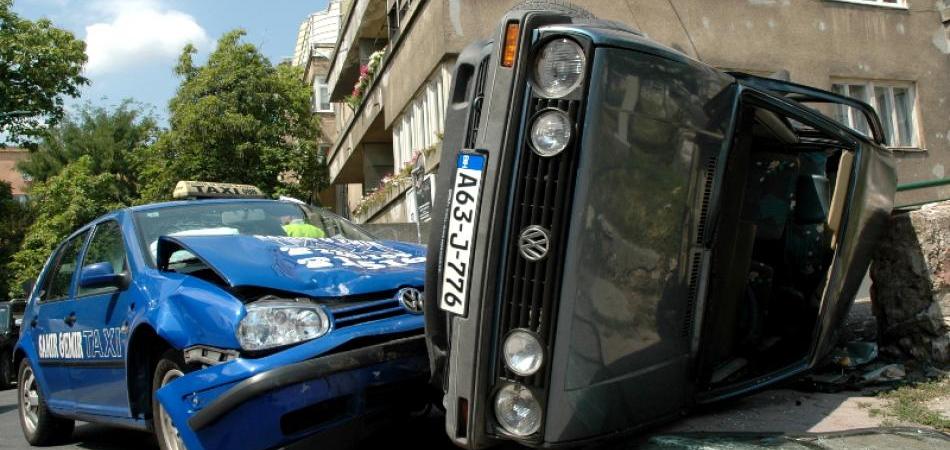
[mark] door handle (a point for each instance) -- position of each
(70, 319)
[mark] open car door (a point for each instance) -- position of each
(806, 94)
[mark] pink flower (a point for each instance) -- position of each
(364, 70)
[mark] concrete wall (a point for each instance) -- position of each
(815, 40)
(405, 232)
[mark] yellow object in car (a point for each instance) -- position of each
(299, 228)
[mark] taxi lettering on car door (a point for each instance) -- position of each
(87, 344)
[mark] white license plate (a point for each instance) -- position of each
(460, 236)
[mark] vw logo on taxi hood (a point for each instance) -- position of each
(411, 299)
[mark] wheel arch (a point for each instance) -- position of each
(145, 348)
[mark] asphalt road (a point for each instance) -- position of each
(87, 435)
(428, 432)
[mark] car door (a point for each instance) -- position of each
(102, 316)
(57, 343)
(863, 209)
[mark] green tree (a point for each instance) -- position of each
(63, 203)
(113, 138)
(15, 217)
(40, 65)
(236, 119)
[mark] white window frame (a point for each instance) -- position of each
(321, 89)
(422, 120)
(900, 4)
(870, 86)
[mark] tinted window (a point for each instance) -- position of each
(106, 246)
(62, 275)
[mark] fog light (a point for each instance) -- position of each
(523, 353)
(559, 67)
(516, 409)
(550, 133)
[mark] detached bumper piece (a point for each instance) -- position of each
(336, 398)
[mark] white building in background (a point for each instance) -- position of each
(316, 39)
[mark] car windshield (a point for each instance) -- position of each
(261, 218)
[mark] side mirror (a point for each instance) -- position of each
(100, 275)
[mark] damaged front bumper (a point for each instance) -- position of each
(301, 393)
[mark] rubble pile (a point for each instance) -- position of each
(911, 285)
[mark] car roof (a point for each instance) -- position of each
(171, 204)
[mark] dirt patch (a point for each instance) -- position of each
(925, 403)
(788, 411)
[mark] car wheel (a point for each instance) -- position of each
(168, 369)
(39, 425)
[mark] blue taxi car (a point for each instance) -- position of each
(222, 323)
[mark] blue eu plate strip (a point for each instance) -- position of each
(469, 161)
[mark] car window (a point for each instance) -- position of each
(5, 321)
(106, 246)
(62, 275)
(267, 218)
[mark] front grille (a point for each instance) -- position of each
(478, 98)
(709, 174)
(542, 194)
(349, 314)
(695, 266)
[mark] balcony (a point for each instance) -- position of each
(364, 30)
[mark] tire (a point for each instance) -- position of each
(40, 427)
(169, 367)
(572, 10)
(560, 6)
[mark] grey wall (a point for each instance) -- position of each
(815, 40)
(397, 231)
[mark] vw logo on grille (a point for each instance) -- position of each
(411, 299)
(534, 243)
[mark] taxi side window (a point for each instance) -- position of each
(106, 246)
(61, 276)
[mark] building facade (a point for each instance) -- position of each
(19, 185)
(893, 54)
(316, 39)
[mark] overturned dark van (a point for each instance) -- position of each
(629, 232)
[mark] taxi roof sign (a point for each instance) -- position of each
(206, 189)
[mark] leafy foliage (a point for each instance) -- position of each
(15, 217)
(39, 66)
(236, 119)
(112, 138)
(62, 203)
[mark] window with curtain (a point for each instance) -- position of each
(894, 103)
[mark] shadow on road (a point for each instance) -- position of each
(101, 437)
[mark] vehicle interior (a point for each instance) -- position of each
(782, 198)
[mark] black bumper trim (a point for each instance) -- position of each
(319, 367)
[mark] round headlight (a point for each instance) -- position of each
(550, 133)
(517, 410)
(559, 67)
(523, 353)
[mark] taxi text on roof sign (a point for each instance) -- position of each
(204, 189)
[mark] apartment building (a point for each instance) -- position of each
(316, 39)
(390, 71)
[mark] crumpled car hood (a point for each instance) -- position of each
(325, 267)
